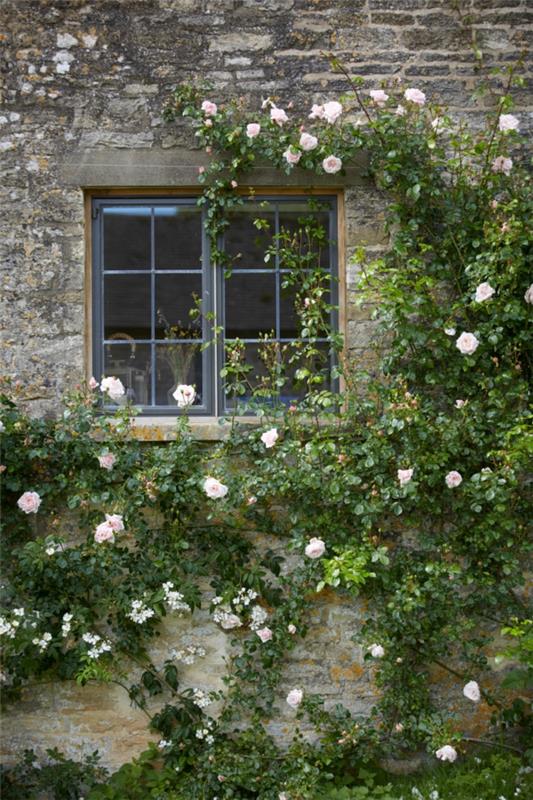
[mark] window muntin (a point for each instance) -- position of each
(150, 266)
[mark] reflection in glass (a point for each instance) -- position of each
(247, 243)
(250, 305)
(130, 363)
(289, 320)
(174, 299)
(175, 364)
(127, 306)
(127, 237)
(178, 237)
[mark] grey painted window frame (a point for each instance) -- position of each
(214, 398)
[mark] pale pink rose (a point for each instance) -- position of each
(508, 122)
(528, 297)
(104, 533)
(398, 727)
(308, 142)
(307, 302)
(472, 692)
(113, 387)
(208, 123)
(295, 697)
(332, 111)
(379, 97)
(447, 753)
(201, 170)
(376, 650)
(230, 621)
(184, 395)
(292, 629)
(269, 438)
(332, 164)
(209, 108)
(400, 111)
(449, 331)
(221, 778)
(278, 116)
(292, 156)
(415, 96)
(315, 549)
(484, 292)
(253, 130)
(29, 502)
(234, 184)
(460, 403)
(467, 343)
(317, 112)
(107, 460)
(251, 501)
(214, 489)
(501, 164)
(93, 383)
(265, 634)
(115, 521)
(404, 476)
(453, 479)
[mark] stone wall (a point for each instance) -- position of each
(84, 86)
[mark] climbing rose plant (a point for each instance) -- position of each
(405, 489)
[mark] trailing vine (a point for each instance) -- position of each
(405, 489)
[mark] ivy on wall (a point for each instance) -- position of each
(407, 489)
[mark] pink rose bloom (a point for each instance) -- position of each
(467, 343)
(446, 753)
(376, 650)
(398, 727)
(115, 521)
(29, 502)
(508, 122)
(484, 292)
(184, 395)
(415, 96)
(104, 533)
(528, 297)
(502, 164)
(209, 108)
(317, 112)
(460, 403)
(113, 387)
(404, 476)
(253, 130)
(230, 621)
(93, 383)
(400, 111)
(201, 170)
(332, 111)
(332, 164)
(214, 489)
(295, 697)
(251, 501)
(265, 634)
(269, 438)
(278, 116)
(379, 97)
(472, 692)
(107, 460)
(292, 156)
(453, 479)
(315, 548)
(292, 629)
(308, 142)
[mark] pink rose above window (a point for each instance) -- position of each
(29, 502)
(453, 479)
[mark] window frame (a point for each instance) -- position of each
(214, 405)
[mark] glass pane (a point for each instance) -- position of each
(127, 237)
(289, 320)
(178, 237)
(127, 307)
(250, 305)
(253, 378)
(313, 238)
(246, 243)
(174, 299)
(130, 363)
(175, 364)
(318, 363)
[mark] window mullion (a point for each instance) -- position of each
(152, 307)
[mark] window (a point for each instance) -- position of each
(156, 295)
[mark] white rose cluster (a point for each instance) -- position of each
(174, 599)
(98, 646)
(140, 612)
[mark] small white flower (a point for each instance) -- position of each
(447, 753)
(449, 331)
(376, 650)
(184, 395)
(484, 292)
(404, 476)
(472, 692)
(113, 387)
(528, 297)
(315, 549)
(467, 343)
(270, 437)
(295, 697)
(215, 489)
(508, 122)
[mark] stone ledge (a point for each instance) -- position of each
(205, 429)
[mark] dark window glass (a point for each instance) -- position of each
(178, 237)
(127, 237)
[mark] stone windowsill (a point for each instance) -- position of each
(208, 429)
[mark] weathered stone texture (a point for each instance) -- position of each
(84, 84)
